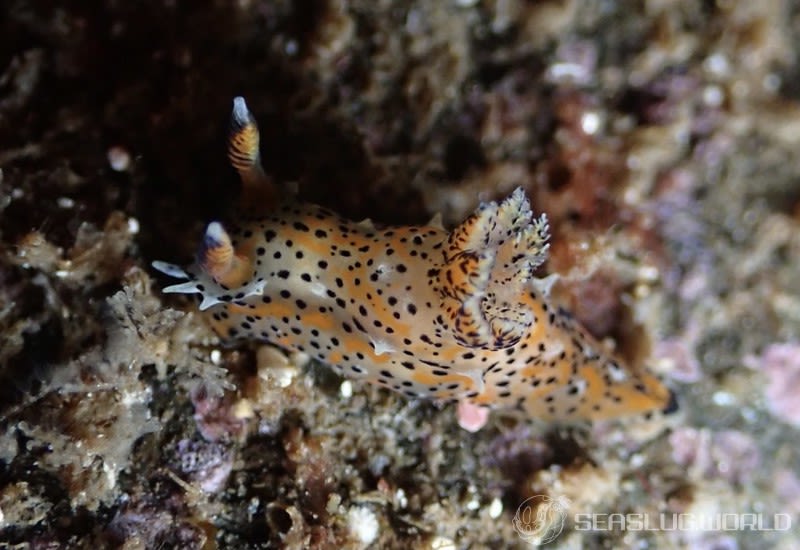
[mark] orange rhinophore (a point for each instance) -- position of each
(453, 315)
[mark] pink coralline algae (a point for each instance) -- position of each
(781, 365)
(729, 454)
(684, 366)
(471, 417)
(214, 417)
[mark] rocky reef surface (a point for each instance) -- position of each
(660, 138)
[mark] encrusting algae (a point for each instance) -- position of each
(450, 316)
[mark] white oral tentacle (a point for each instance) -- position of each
(170, 269)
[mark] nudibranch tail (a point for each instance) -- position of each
(570, 375)
(259, 193)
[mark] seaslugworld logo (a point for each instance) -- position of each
(666, 521)
(541, 518)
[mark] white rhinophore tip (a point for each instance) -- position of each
(216, 233)
(241, 113)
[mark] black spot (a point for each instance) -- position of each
(285, 294)
(261, 250)
(269, 235)
(322, 264)
(300, 226)
(300, 304)
(283, 274)
(306, 277)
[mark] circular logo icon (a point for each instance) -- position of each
(540, 518)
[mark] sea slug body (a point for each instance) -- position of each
(454, 316)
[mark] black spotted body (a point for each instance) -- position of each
(453, 315)
(349, 295)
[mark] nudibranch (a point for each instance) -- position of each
(450, 316)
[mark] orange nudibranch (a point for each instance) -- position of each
(455, 315)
